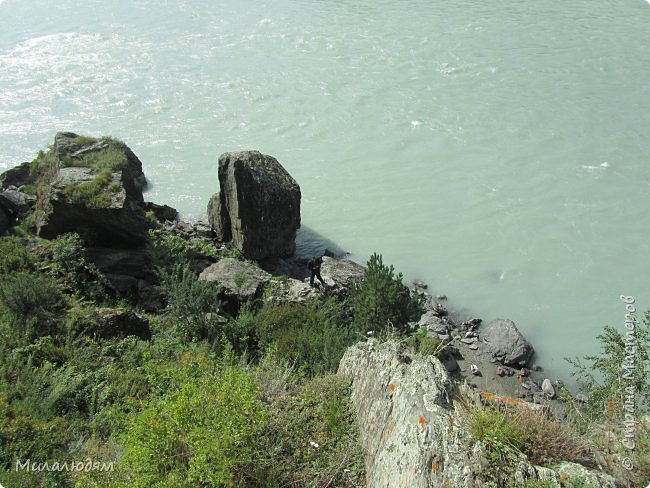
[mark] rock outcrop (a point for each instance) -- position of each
(404, 412)
(412, 419)
(95, 189)
(258, 207)
(503, 342)
(240, 281)
(14, 203)
(17, 176)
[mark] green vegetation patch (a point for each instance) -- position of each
(91, 193)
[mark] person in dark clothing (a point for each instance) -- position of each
(314, 267)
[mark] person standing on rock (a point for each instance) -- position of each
(314, 267)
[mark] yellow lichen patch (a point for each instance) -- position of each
(391, 387)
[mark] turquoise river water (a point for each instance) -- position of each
(498, 150)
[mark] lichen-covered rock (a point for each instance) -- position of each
(289, 291)
(503, 342)
(241, 281)
(413, 425)
(258, 207)
(95, 189)
(341, 272)
(407, 427)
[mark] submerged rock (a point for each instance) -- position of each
(504, 343)
(95, 189)
(258, 207)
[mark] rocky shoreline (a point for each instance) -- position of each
(93, 186)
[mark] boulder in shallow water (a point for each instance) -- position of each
(258, 207)
(504, 343)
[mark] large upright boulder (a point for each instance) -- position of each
(94, 188)
(258, 207)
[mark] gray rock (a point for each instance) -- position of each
(161, 212)
(258, 207)
(17, 176)
(112, 215)
(122, 323)
(17, 202)
(434, 323)
(241, 281)
(130, 262)
(572, 472)
(547, 388)
(341, 272)
(505, 344)
(290, 291)
(403, 411)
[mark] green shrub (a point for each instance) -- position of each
(381, 300)
(423, 345)
(169, 249)
(192, 305)
(602, 378)
(28, 298)
(15, 255)
(313, 335)
(70, 264)
(311, 439)
(201, 434)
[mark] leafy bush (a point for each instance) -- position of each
(28, 298)
(169, 249)
(200, 434)
(603, 378)
(192, 305)
(15, 256)
(381, 300)
(69, 263)
(614, 385)
(311, 439)
(313, 335)
(507, 433)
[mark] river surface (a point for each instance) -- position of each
(497, 150)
